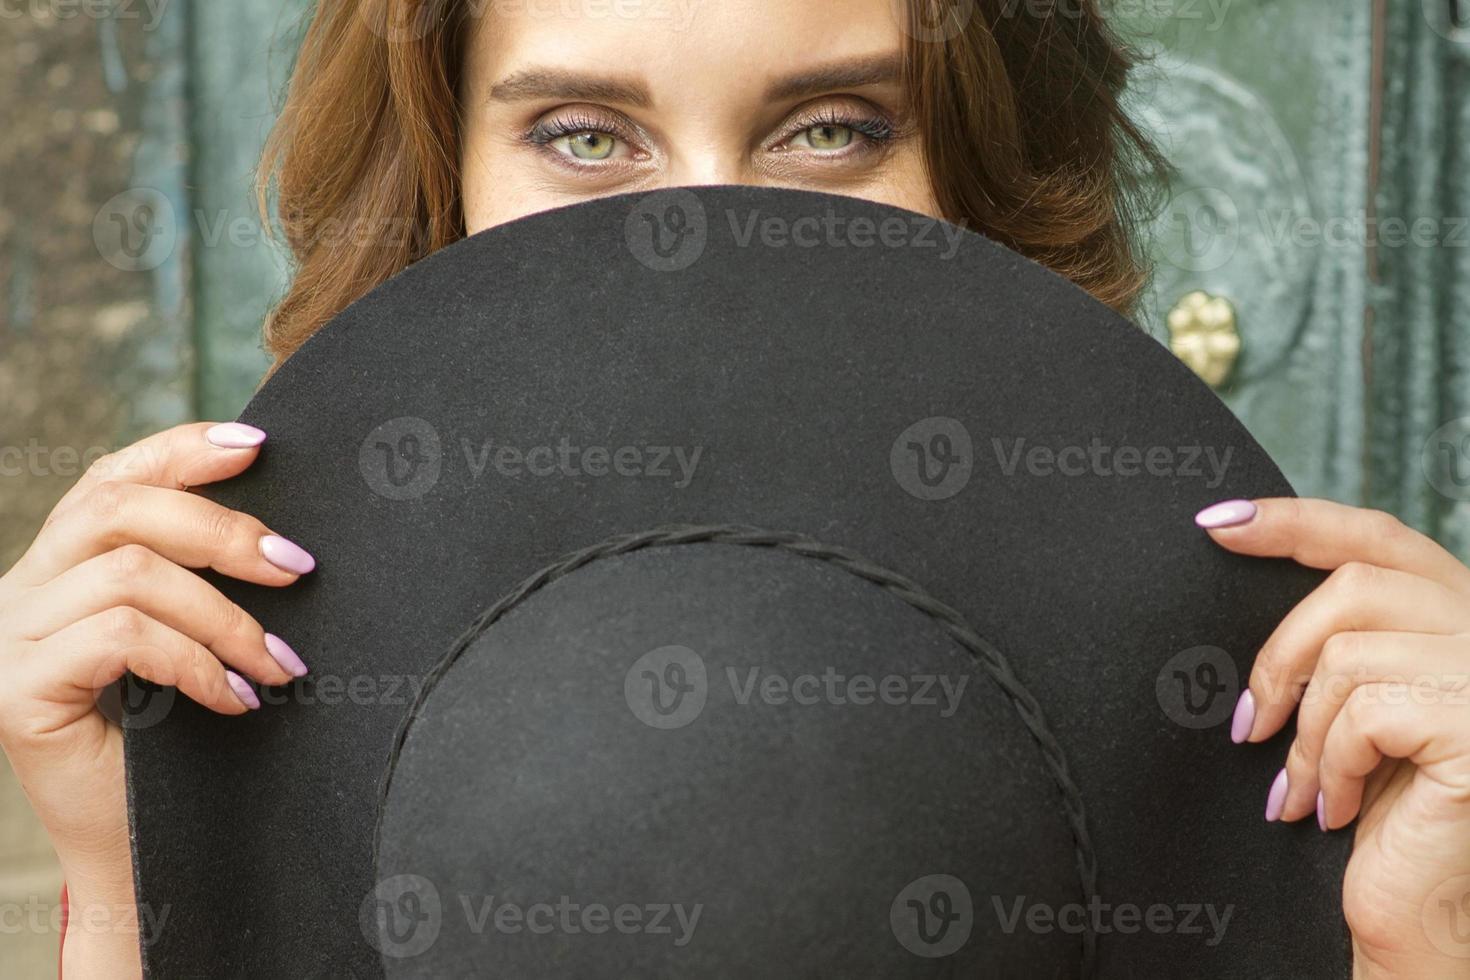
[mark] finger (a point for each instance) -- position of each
(134, 576)
(182, 527)
(87, 656)
(1327, 535)
(1433, 665)
(1429, 727)
(1356, 597)
(185, 456)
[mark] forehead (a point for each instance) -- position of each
(736, 39)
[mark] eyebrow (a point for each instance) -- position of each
(872, 70)
(557, 83)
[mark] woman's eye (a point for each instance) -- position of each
(826, 137)
(587, 146)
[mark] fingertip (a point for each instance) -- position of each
(1244, 719)
(234, 435)
(242, 689)
(1226, 515)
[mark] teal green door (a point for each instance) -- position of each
(1319, 205)
(1309, 256)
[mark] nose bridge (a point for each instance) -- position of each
(707, 164)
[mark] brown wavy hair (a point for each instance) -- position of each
(1019, 112)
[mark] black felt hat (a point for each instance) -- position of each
(731, 583)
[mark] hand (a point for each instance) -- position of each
(106, 589)
(1378, 658)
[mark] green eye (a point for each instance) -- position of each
(828, 137)
(591, 146)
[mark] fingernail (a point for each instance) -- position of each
(1276, 799)
(1228, 514)
(282, 653)
(235, 435)
(1321, 812)
(1245, 718)
(242, 690)
(285, 555)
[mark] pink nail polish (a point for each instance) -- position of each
(1245, 718)
(285, 555)
(1231, 513)
(282, 653)
(1321, 812)
(242, 690)
(1276, 799)
(234, 435)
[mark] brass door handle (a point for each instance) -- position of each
(1203, 334)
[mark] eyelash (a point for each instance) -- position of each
(876, 130)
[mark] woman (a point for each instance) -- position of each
(410, 124)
